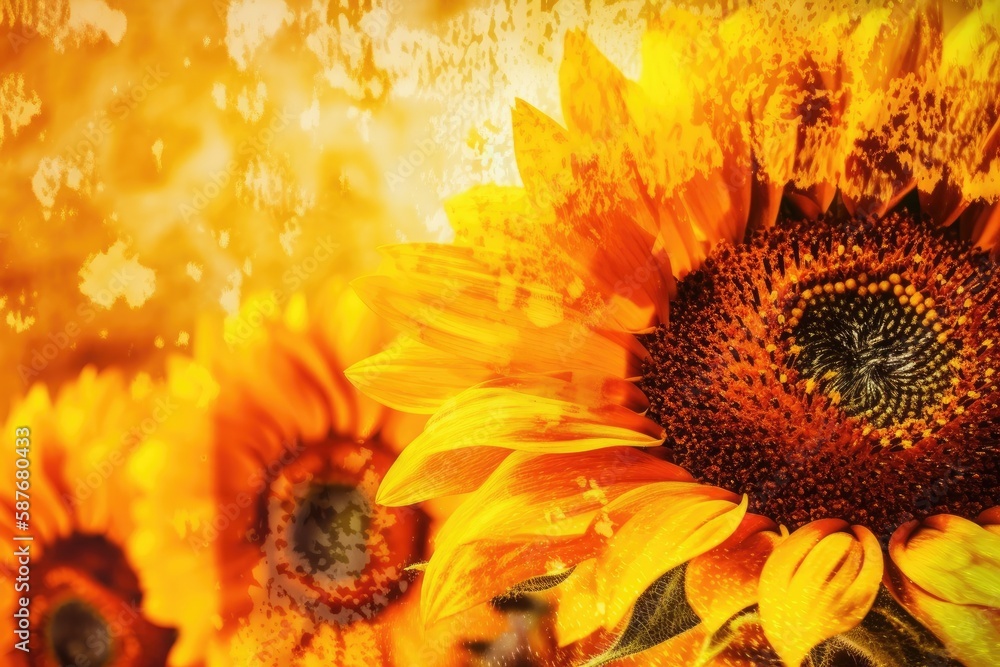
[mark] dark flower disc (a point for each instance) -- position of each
(836, 368)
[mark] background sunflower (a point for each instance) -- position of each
(86, 587)
(264, 500)
(161, 164)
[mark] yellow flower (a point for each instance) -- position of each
(264, 497)
(85, 585)
(761, 263)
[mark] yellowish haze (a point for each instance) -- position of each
(164, 162)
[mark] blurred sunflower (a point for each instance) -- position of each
(767, 255)
(85, 587)
(265, 500)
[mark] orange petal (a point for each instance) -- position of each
(819, 582)
(653, 529)
(724, 581)
(950, 557)
(961, 155)
(592, 89)
(889, 78)
(465, 301)
(542, 150)
(990, 520)
(530, 518)
(695, 167)
(598, 253)
(538, 413)
(981, 223)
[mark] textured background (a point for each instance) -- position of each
(163, 163)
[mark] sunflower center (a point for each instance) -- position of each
(330, 530)
(873, 355)
(329, 551)
(89, 607)
(836, 368)
(80, 635)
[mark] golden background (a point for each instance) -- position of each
(163, 162)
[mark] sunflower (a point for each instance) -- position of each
(265, 499)
(721, 373)
(71, 561)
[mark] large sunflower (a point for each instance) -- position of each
(763, 262)
(265, 497)
(71, 557)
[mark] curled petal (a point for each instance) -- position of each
(990, 520)
(724, 580)
(951, 558)
(819, 582)
(971, 633)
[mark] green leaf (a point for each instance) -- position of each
(887, 637)
(660, 613)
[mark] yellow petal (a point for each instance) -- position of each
(950, 557)
(535, 413)
(819, 582)
(971, 633)
(654, 529)
(412, 377)
(530, 518)
(581, 609)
